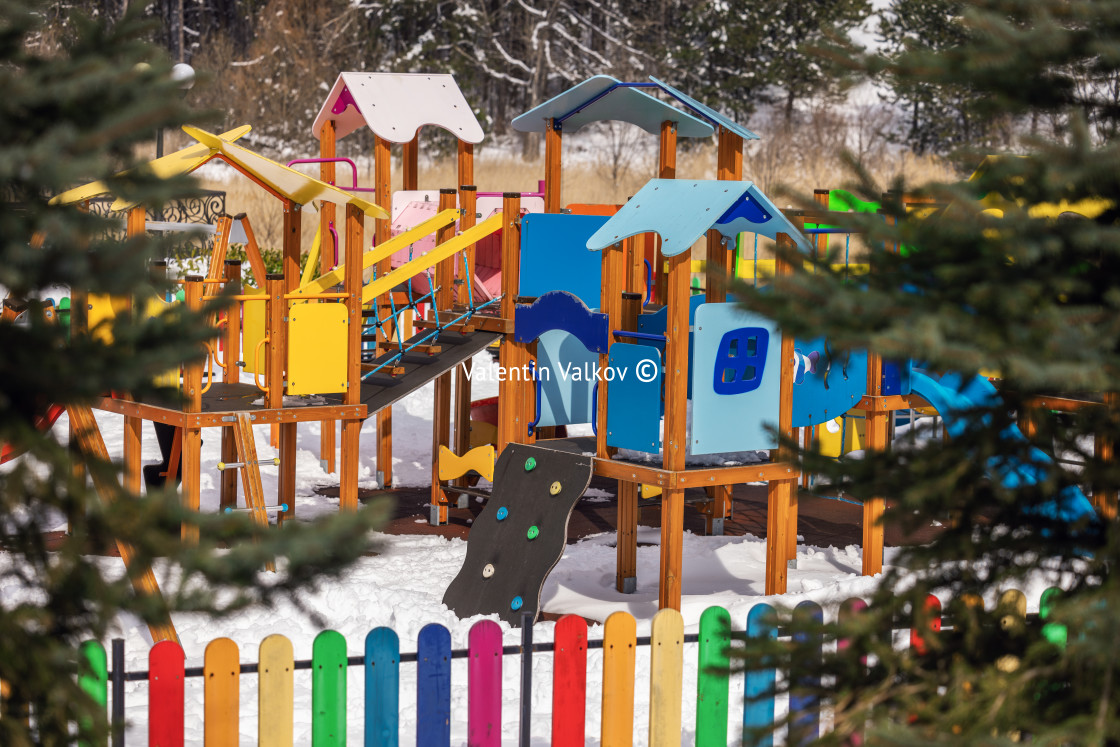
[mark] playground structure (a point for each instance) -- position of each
(605, 286)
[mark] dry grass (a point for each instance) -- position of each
(619, 166)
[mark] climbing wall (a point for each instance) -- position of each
(520, 534)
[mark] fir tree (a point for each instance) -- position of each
(70, 115)
(1030, 293)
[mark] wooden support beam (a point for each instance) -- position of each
(553, 141)
(512, 394)
(227, 491)
(466, 163)
(610, 303)
(352, 427)
(327, 256)
(1105, 449)
(410, 165)
(382, 182)
(666, 169)
(781, 540)
(441, 415)
(676, 407)
(626, 570)
(192, 437)
(89, 440)
(469, 207)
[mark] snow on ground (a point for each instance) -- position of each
(402, 588)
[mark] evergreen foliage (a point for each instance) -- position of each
(68, 117)
(1031, 296)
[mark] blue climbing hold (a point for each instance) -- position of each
(516, 603)
(503, 512)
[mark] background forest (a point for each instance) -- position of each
(270, 62)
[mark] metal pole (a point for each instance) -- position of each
(526, 677)
(116, 722)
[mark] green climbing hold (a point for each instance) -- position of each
(533, 532)
(530, 464)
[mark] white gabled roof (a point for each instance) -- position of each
(396, 105)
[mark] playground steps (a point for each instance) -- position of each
(380, 390)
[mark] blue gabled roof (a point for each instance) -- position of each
(602, 98)
(682, 211)
(706, 112)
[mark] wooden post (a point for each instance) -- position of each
(227, 494)
(553, 140)
(192, 436)
(466, 163)
(468, 207)
(666, 169)
(626, 544)
(410, 165)
(382, 176)
(327, 215)
(781, 518)
(610, 302)
(676, 408)
(135, 225)
(511, 423)
(351, 426)
(441, 415)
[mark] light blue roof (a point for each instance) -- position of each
(682, 211)
(621, 104)
(706, 112)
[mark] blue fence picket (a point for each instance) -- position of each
(805, 673)
(758, 688)
(383, 676)
(433, 687)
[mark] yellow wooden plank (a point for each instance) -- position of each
(619, 646)
(479, 459)
(252, 331)
(317, 348)
(665, 673)
(276, 692)
(382, 251)
(173, 164)
(407, 271)
(221, 693)
(294, 185)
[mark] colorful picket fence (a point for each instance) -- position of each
(383, 705)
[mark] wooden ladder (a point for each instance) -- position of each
(246, 450)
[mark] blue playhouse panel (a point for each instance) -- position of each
(634, 404)
(655, 324)
(896, 377)
(561, 310)
(732, 346)
(839, 383)
(567, 392)
(554, 256)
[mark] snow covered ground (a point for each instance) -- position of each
(403, 586)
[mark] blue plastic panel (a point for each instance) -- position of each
(655, 323)
(733, 422)
(634, 401)
(621, 104)
(561, 310)
(833, 383)
(682, 211)
(567, 379)
(896, 377)
(554, 256)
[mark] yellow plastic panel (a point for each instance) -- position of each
(153, 307)
(829, 434)
(104, 309)
(252, 331)
(317, 348)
